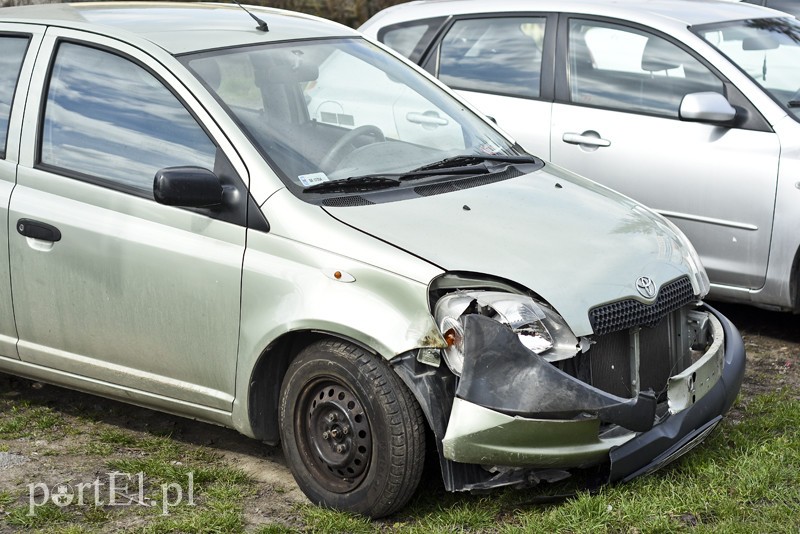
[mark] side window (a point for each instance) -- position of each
(110, 119)
(10, 63)
(411, 39)
(622, 68)
(404, 39)
(494, 55)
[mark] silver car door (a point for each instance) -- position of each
(621, 128)
(139, 299)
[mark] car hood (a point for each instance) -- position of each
(571, 241)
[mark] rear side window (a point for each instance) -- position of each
(111, 120)
(411, 39)
(494, 55)
(13, 52)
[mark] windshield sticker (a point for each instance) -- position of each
(312, 179)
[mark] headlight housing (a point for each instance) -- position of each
(540, 329)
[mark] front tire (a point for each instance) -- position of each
(351, 431)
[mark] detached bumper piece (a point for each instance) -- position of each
(515, 410)
(503, 375)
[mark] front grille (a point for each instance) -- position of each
(628, 313)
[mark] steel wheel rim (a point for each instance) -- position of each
(334, 435)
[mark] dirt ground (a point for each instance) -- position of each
(772, 341)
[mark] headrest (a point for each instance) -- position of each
(660, 55)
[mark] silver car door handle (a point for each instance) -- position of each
(583, 139)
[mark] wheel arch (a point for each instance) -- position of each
(263, 389)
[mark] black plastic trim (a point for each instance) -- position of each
(501, 374)
(38, 230)
(434, 389)
(23, 35)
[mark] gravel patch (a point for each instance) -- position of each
(8, 459)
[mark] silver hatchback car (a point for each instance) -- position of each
(200, 223)
(691, 107)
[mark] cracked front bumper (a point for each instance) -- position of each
(477, 434)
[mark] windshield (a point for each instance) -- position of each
(327, 110)
(767, 50)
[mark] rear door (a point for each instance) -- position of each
(503, 65)
(616, 121)
(138, 299)
(19, 44)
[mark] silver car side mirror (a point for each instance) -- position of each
(706, 107)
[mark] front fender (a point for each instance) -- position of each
(290, 288)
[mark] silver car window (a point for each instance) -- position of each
(109, 119)
(767, 50)
(494, 55)
(405, 39)
(618, 67)
(10, 62)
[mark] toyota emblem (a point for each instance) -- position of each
(646, 287)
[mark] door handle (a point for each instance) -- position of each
(588, 138)
(428, 118)
(38, 230)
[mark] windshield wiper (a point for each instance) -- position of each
(472, 159)
(793, 103)
(353, 184)
(472, 164)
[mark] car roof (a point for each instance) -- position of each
(178, 27)
(663, 14)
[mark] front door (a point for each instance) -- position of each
(113, 287)
(621, 128)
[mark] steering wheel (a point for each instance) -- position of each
(347, 144)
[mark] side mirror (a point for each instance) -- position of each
(187, 187)
(706, 107)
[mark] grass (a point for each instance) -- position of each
(23, 420)
(167, 466)
(743, 479)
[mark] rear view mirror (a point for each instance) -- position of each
(188, 187)
(706, 107)
(761, 42)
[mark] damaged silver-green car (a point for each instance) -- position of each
(266, 221)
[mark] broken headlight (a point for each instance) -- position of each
(540, 329)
